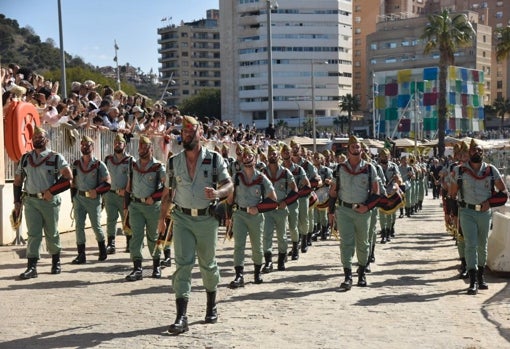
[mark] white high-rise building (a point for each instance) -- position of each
(306, 36)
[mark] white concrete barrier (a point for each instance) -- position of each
(498, 258)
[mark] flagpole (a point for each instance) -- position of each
(117, 62)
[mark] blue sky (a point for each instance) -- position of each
(90, 27)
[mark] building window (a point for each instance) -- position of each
(499, 14)
(357, 31)
(499, 84)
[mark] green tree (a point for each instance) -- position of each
(281, 125)
(206, 103)
(501, 107)
(502, 36)
(446, 33)
(349, 104)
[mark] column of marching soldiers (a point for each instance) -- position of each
(289, 193)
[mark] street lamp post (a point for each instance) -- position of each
(63, 82)
(270, 5)
(314, 126)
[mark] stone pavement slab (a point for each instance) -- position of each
(413, 300)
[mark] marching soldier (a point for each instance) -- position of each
(293, 217)
(321, 215)
(284, 183)
(392, 181)
(197, 177)
(476, 181)
(42, 174)
(352, 194)
(145, 188)
(408, 175)
(118, 165)
(90, 180)
(250, 188)
(306, 223)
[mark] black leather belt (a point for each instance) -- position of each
(237, 207)
(84, 193)
(348, 205)
(36, 195)
(142, 201)
(194, 212)
(471, 207)
(116, 191)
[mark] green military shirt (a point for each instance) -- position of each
(42, 170)
(119, 170)
(145, 181)
(89, 178)
(189, 192)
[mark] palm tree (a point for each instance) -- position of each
(502, 36)
(501, 106)
(281, 125)
(446, 33)
(349, 104)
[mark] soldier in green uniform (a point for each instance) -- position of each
(250, 188)
(145, 188)
(351, 191)
(42, 174)
(408, 175)
(197, 178)
(118, 165)
(392, 182)
(90, 180)
(306, 222)
(283, 183)
(320, 214)
(293, 217)
(476, 180)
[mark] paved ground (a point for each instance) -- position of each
(414, 300)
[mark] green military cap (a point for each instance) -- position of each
(119, 137)
(473, 144)
(39, 130)
(353, 140)
(272, 148)
(239, 148)
(464, 147)
(224, 147)
(284, 148)
(248, 151)
(145, 140)
(325, 152)
(293, 144)
(456, 148)
(189, 122)
(384, 151)
(87, 139)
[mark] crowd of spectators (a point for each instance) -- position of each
(90, 105)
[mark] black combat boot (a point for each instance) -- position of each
(256, 274)
(81, 258)
(295, 251)
(309, 239)
(388, 235)
(383, 235)
(304, 244)
(268, 265)
(282, 258)
(463, 271)
(128, 239)
(362, 282)
(401, 213)
(408, 212)
(347, 284)
(55, 263)
(102, 251)
(482, 285)
(239, 279)
(137, 273)
(211, 312)
(473, 284)
(167, 261)
(324, 232)
(181, 321)
(156, 269)
(31, 271)
(315, 233)
(392, 230)
(110, 248)
(371, 258)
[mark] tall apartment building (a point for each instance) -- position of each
(305, 35)
(367, 13)
(190, 55)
